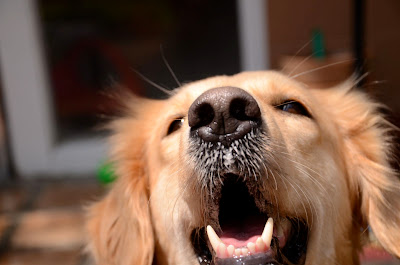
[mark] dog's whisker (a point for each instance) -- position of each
(309, 201)
(285, 148)
(297, 53)
(159, 87)
(301, 166)
(169, 67)
(302, 62)
(274, 193)
(324, 191)
(300, 199)
(271, 158)
(275, 182)
(320, 68)
(307, 174)
(285, 180)
(307, 197)
(374, 83)
(361, 78)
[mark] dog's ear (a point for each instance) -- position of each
(368, 153)
(119, 226)
(379, 186)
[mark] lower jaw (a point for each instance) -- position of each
(293, 253)
(271, 257)
(255, 259)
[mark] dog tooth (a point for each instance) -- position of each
(245, 252)
(213, 237)
(238, 252)
(260, 245)
(231, 250)
(267, 233)
(251, 247)
(222, 252)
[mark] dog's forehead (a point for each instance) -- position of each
(263, 85)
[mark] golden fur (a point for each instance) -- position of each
(333, 170)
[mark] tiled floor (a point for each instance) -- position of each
(41, 222)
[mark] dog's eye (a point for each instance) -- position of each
(294, 107)
(175, 125)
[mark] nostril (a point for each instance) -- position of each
(244, 109)
(237, 109)
(203, 115)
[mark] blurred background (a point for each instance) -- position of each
(59, 59)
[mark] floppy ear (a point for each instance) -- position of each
(368, 154)
(380, 191)
(119, 226)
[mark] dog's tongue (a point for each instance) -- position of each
(237, 241)
(240, 234)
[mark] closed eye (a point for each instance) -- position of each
(293, 107)
(175, 125)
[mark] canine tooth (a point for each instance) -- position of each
(231, 250)
(238, 252)
(213, 237)
(251, 247)
(260, 245)
(267, 233)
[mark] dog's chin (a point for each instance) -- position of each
(242, 220)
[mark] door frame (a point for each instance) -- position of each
(35, 149)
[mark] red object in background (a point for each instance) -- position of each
(376, 254)
(81, 77)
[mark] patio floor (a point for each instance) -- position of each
(41, 222)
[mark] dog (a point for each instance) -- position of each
(253, 168)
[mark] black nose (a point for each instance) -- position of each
(223, 115)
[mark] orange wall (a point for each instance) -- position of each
(291, 23)
(383, 38)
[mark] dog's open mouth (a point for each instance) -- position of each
(246, 234)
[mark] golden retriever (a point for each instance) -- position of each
(253, 168)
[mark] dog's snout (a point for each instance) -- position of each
(223, 115)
